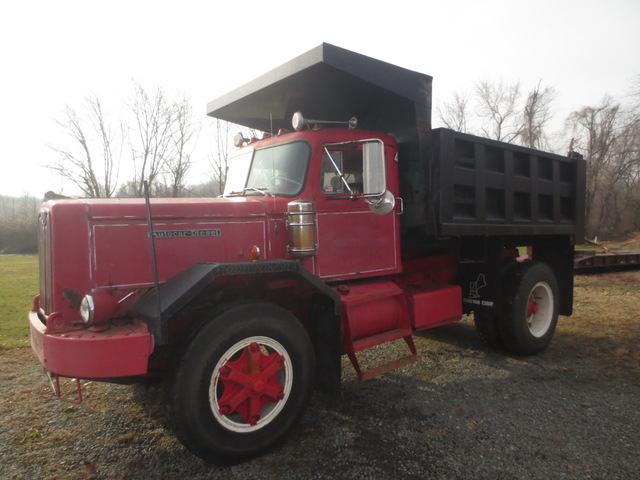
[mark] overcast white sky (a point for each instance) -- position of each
(55, 53)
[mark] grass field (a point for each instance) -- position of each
(18, 286)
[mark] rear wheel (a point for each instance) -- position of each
(242, 383)
(531, 309)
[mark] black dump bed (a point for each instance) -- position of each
(450, 183)
(485, 187)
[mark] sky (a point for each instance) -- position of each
(54, 54)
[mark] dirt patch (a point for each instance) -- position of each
(605, 323)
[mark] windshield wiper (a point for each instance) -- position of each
(262, 190)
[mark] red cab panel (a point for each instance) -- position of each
(432, 305)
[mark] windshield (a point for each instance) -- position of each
(237, 172)
(277, 170)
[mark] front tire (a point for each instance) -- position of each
(531, 309)
(242, 383)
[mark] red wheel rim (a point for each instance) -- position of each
(250, 384)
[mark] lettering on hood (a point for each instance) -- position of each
(214, 232)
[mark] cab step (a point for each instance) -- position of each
(387, 367)
(374, 313)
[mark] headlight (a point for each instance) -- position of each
(87, 309)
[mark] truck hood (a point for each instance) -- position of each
(109, 238)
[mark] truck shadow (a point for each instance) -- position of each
(460, 334)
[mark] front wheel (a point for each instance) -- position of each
(531, 309)
(242, 383)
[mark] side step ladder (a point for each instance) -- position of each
(387, 367)
(373, 314)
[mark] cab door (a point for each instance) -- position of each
(354, 239)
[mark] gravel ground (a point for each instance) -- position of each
(460, 412)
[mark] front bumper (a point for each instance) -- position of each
(120, 351)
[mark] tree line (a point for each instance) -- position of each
(606, 134)
(18, 226)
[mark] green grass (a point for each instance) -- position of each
(18, 286)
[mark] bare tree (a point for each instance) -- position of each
(535, 116)
(609, 136)
(223, 133)
(497, 110)
(592, 132)
(149, 136)
(160, 132)
(634, 94)
(627, 171)
(633, 181)
(183, 138)
(161, 135)
(91, 160)
(219, 158)
(454, 114)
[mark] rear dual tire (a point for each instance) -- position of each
(530, 311)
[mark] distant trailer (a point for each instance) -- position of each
(607, 259)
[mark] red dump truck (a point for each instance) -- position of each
(351, 223)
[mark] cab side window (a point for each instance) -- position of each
(342, 172)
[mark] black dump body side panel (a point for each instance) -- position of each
(485, 187)
(331, 83)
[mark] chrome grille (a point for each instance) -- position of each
(44, 259)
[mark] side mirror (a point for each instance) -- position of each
(382, 204)
(374, 171)
(380, 200)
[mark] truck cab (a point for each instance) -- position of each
(346, 179)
